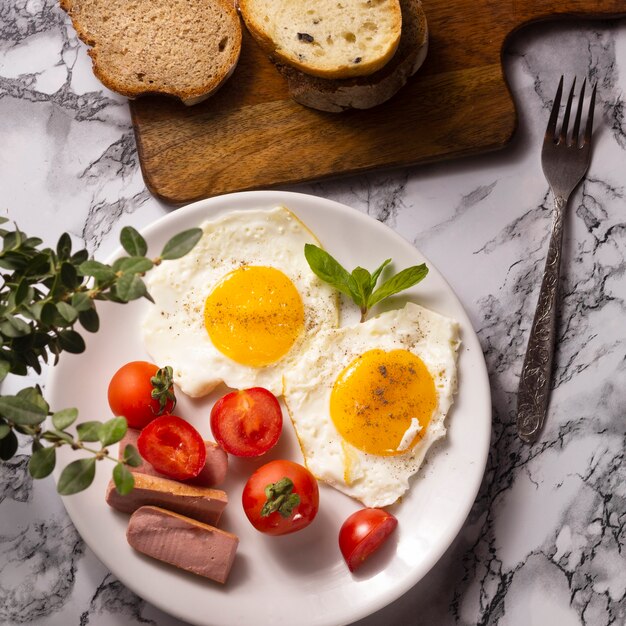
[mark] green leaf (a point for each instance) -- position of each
(42, 462)
(362, 286)
(5, 429)
(53, 435)
(131, 456)
(133, 265)
(67, 312)
(98, 270)
(71, 341)
(5, 368)
(21, 411)
(378, 272)
(401, 281)
(89, 320)
(89, 431)
(130, 287)
(48, 314)
(22, 293)
(123, 479)
(8, 446)
(77, 476)
(14, 327)
(328, 269)
(65, 418)
(69, 276)
(33, 395)
(81, 301)
(133, 242)
(182, 243)
(112, 431)
(64, 247)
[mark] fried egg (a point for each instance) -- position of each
(368, 400)
(241, 306)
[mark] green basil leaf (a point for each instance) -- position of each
(401, 281)
(133, 242)
(42, 462)
(8, 446)
(112, 431)
(378, 271)
(133, 265)
(77, 476)
(89, 431)
(21, 411)
(328, 269)
(123, 479)
(179, 245)
(131, 456)
(64, 418)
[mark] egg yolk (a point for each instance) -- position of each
(254, 315)
(377, 398)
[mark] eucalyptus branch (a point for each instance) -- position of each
(44, 295)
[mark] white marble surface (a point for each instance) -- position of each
(545, 542)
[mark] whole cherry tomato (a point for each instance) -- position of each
(140, 391)
(173, 447)
(247, 422)
(363, 533)
(281, 497)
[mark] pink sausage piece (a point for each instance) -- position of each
(212, 474)
(201, 503)
(182, 542)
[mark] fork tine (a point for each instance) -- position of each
(589, 128)
(554, 114)
(579, 113)
(568, 108)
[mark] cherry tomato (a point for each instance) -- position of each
(131, 392)
(363, 533)
(293, 498)
(173, 447)
(247, 422)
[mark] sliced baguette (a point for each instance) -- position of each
(181, 48)
(367, 91)
(326, 38)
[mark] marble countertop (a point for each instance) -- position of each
(545, 540)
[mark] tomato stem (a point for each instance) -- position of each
(280, 498)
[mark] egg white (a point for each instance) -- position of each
(374, 480)
(173, 330)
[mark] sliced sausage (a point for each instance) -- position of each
(200, 503)
(182, 542)
(212, 474)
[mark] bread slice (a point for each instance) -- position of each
(326, 38)
(182, 48)
(366, 91)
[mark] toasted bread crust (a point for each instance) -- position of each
(169, 47)
(366, 91)
(304, 35)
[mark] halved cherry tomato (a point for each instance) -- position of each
(247, 422)
(173, 446)
(363, 533)
(281, 497)
(140, 392)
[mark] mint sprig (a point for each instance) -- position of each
(360, 284)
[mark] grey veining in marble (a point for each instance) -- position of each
(545, 542)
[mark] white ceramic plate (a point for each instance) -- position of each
(299, 578)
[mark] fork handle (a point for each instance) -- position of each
(534, 386)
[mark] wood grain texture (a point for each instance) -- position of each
(251, 135)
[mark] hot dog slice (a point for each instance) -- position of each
(212, 474)
(182, 542)
(200, 503)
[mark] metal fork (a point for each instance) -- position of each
(565, 161)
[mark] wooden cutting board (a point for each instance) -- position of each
(251, 135)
